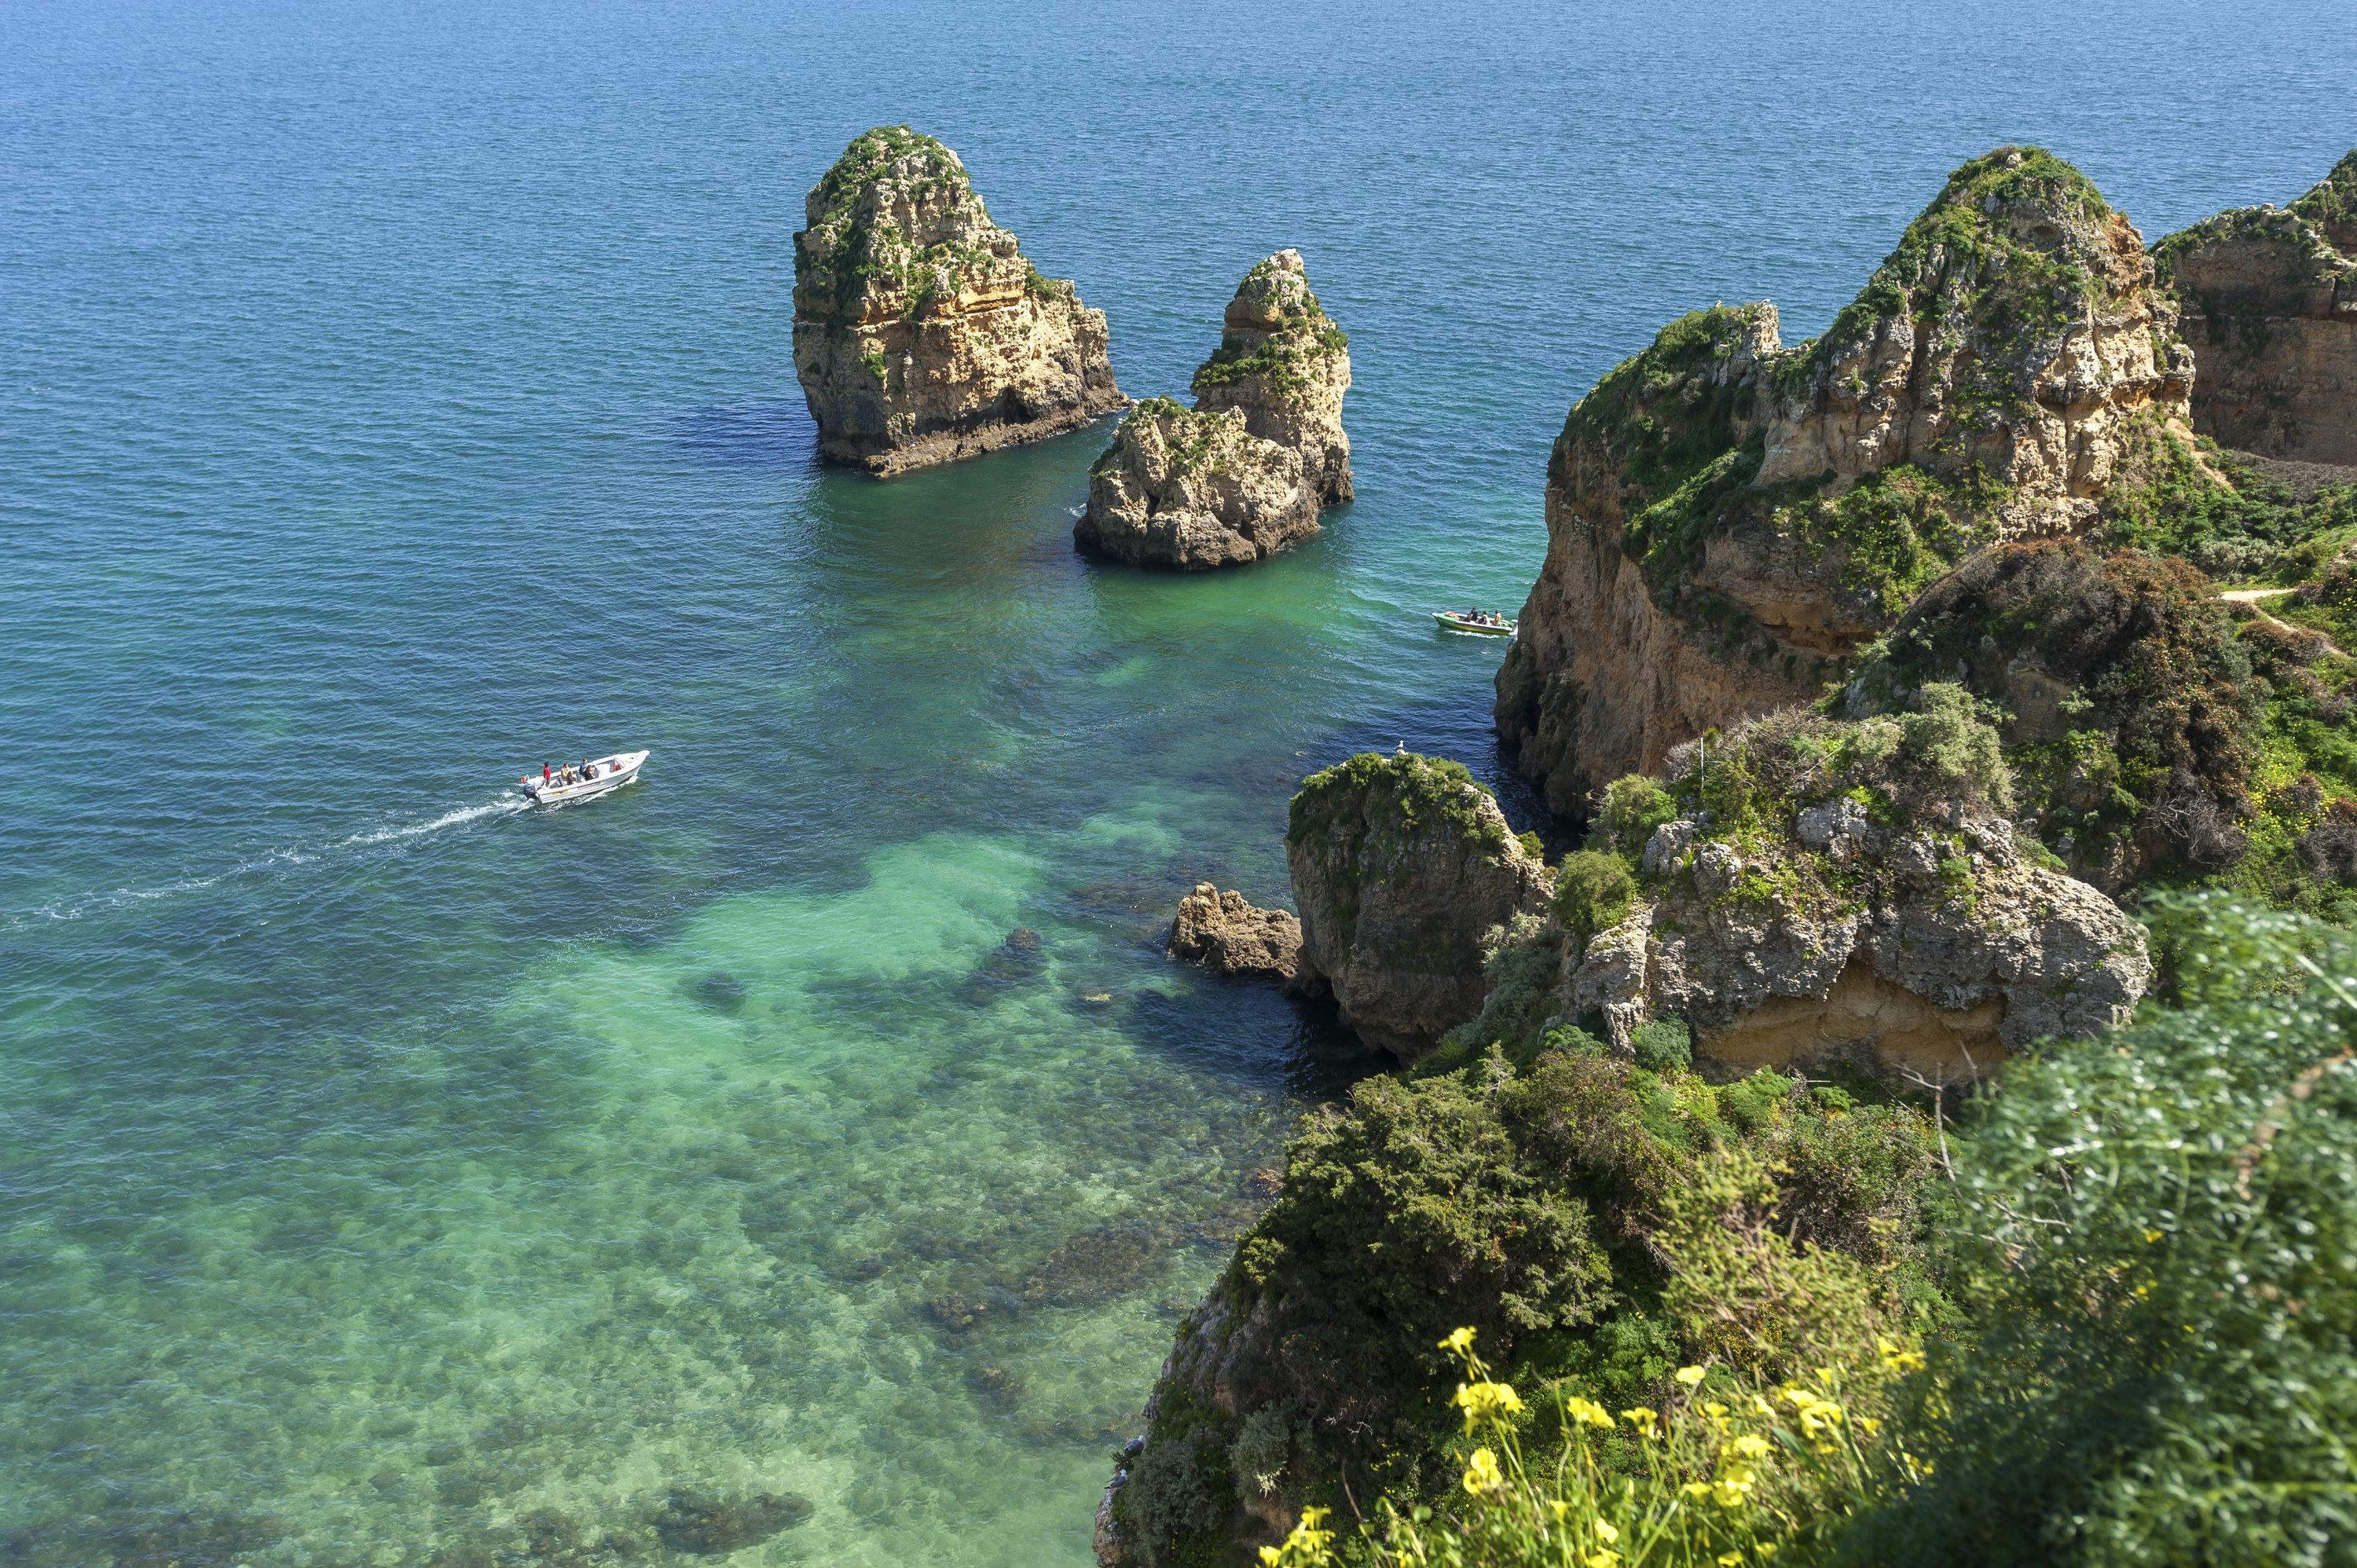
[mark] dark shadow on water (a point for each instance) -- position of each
(769, 438)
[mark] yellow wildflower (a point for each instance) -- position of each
(1486, 1401)
(1588, 1412)
(1602, 1560)
(1642, 1419)
(1483, 1475)
(1697, 1488)
(1730, 1560)
(1765, 1548)
(1690, 1376)
(1750, 1446)
(1307, 1545)
(1459, 1342)
(1605, 1532)
(1732, 1487)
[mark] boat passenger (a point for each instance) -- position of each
(544, 773)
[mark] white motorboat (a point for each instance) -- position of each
(601, 776)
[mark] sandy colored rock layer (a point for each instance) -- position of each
(921, 334)
(1229, 936)
(1193, 491)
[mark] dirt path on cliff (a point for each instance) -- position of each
(2252, 597)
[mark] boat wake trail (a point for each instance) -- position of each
(274, 860)
(506, 807)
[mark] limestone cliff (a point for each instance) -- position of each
(1728, 520)
(1193, 491)
(1285, 364)
(921, 334)
(1958, 953)
(2270, 305)
(1401, 865)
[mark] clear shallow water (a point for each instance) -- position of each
(391, 399)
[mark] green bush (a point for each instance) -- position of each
(2154, 1240)
(1946, 753)
(1665, 1045)
(1634, 806)
(1593, 890)
(1520, 965)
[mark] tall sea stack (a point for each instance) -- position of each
(1246, 472)
(922, 333)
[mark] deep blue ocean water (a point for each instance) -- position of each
(394, 397)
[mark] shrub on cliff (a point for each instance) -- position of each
(2163, 717)
(2156, 1242)
(1537, 1207)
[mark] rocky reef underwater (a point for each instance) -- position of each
(1895, 680)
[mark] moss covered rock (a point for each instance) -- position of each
(1401, 865)
(1284, 362)
(1193, 491)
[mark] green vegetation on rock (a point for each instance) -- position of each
(1423, 789)
(2143, 1350)
(1284, 358)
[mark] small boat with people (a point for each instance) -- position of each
(1481, 623)
(583, 780)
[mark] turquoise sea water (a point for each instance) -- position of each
(395, 397)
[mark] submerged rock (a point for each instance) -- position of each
(1400, 866)
(1728, 520)
(1285, 364)
(697, 1522)
(1193, 491)
(921, 334)
(1229, 936)
(2270, 303)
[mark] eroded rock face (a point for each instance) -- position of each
(1193, 491)
(1727, 519)
(1229, 936)
(2270, 303)
(921, 334)
(1962, 953)
(1400, 866)
(1285, 364)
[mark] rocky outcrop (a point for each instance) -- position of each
(1229, 936)
(1401, 865)
(1193, 491)
(2270, 305)
(1962, 953)
(1727, 519)
(1286, 365)
(920, 332)
(1808, 889)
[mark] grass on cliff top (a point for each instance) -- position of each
(856, 251)
(1424, 790)
(1189, 437)
(2331, 205)
(1962, 266)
